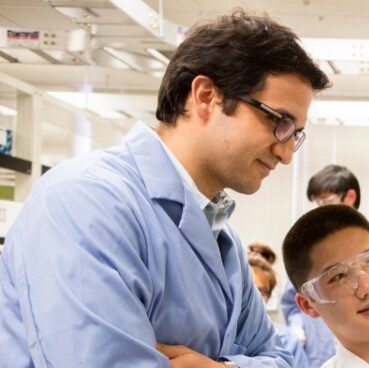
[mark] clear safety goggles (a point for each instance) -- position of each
(340, 281)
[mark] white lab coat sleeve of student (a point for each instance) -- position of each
(79, 305)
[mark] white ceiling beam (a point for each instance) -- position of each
(150, 19)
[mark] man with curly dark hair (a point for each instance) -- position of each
(128, 247)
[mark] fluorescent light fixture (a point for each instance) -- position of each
(7, 111)
(348, 113)
(337, 49)
(157, 74)
(158, 55)
(106, 114)
(339, 109)
(353, 67)
(122, 56)
(73, 98)
(136, 61)
(92, 102)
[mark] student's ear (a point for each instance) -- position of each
(350, 198)
(204, 96)
(306, 305)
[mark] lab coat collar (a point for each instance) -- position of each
(159, 175)
(163, 183)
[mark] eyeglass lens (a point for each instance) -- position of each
(285, 129)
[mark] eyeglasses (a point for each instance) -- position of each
(340, 281)
(329, 199)
(285, 126)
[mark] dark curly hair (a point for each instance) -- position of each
(237, 52)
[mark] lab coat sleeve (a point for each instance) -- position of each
(291, 311)
(84, 285)
(292, 344)
(257, 338)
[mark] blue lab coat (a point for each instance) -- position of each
(111, 254)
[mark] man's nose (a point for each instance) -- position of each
(284, 151)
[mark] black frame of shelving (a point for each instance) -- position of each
(19, 164)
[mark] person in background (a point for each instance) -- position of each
(124, 257)
(264, 251)
(326, 255)
(261, 259)
(334, 184)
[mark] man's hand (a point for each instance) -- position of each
(182, 357)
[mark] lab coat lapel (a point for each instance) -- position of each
(195, 228)
(158, 173)
(163, 183)
(234, 271)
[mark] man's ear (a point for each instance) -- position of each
(204, 96)
(306, 305)
(350, 198)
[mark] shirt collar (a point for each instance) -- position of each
(218, 210)
(348, 359)
(184, 175)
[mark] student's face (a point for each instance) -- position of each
(348, 318)
(242, 149)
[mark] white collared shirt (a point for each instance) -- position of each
(185, 176)
(345, 359)
(217, 210)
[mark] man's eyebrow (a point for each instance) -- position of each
(286, 113)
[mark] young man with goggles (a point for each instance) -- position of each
(326, 255)
(334, 184)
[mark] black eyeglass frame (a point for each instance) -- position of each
(278, 118)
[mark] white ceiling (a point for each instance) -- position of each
(309, 18)
(99, 47)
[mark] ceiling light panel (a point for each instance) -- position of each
(337, 49)
(25, 56)
(136, 61)
(353, 67)
(353, 113)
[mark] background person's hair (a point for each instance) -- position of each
(237, 52)
(309, 230)
(336, 179)
(258, 263)
(264, 250)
